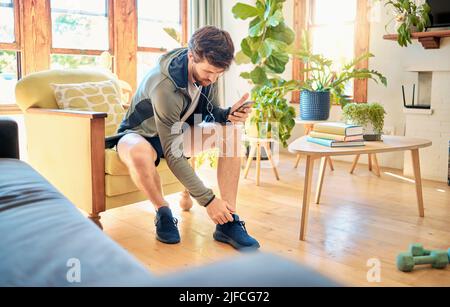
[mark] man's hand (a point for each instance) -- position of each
(218, 210)
(241, 116)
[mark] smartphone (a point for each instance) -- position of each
(247, 104)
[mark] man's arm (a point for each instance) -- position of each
(167, 108)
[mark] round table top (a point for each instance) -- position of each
(388, 143)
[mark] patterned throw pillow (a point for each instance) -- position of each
(92, 96)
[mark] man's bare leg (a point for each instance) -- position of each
(139, 156)
(227, 139)
(229, 165)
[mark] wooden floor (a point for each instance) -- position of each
(360, 217)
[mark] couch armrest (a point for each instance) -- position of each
(70, 113)
(9, 139)
(68, 148)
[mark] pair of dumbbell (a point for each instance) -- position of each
(417, 255)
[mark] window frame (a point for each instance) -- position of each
(95, 52)
(184, 29)
(34, 47)
(303, 20)
(16, 46)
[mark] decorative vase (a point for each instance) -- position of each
(314, 105)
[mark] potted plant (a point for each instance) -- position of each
(409, 18)
(324, 84)
(266, 47)
(368, 115)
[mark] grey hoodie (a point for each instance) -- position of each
(161, 100)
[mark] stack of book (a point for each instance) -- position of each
(336, 134)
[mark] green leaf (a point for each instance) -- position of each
(257, 29)
(246, 49)
(277, 62)
(281, 33)
(265, 50)
(275, 19)
(258, 75)
(245, 75)
(242, 58)
(244, 11)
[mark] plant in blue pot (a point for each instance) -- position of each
(323, 84)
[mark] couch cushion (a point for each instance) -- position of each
(42, 232)
(101, 96)
(117, 185)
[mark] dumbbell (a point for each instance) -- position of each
(438, 259)
(416, 249)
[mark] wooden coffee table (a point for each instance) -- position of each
(389, 144)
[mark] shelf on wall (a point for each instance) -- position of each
(429, 40)
(418, 111)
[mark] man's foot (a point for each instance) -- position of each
(235, 234)
(166, 226)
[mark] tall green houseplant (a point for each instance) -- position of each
(266, 47)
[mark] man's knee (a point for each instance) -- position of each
(135, 151)
(142, 156)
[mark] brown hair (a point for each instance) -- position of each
(212, 44)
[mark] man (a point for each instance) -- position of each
(180, 88)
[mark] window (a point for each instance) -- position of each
(9, 51)
(332, 29)
(153, 40)
(80, 32)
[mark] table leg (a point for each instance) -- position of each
(418, 180)
(370, 161)
(251, 154)
(269, 156)
(258, 162)
(298, 160)
(330, 162)
(323, 166)
(355, 162)
(375, 164)
(306, 195)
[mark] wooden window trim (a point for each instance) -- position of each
(362, 32)
(69, 51)
(12, 108)
(184, 12)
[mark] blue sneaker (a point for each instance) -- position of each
(166, 226)
(235, 234)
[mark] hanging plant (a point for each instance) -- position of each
(409, 18)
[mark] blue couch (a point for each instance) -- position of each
(43, 238)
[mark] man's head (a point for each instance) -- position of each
(211, 52)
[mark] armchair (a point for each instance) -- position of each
(68, 147)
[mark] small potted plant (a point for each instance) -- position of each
(409, 17)
(368, 115)
(324, 84)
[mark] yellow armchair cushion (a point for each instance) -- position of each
(99, 96)
(34, 90)
(118, 184)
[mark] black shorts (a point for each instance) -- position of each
(112, 141)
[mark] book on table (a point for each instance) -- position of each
(336, 137)
(334, 143)
(338, 128)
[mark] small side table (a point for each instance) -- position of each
(308, 126)
(255, 148)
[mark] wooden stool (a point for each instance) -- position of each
(371, 157)
(255, 147)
